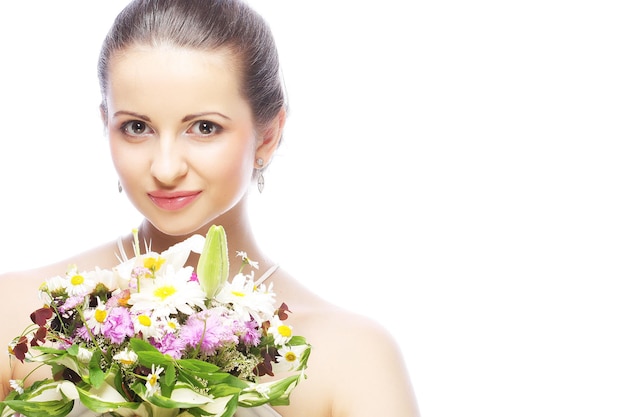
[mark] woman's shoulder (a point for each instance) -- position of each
(349, 351)
(325, 320)
(103, 256)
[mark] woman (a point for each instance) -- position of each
(194, 109)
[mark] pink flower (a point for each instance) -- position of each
(170, 344)
(251, 335)
(118, 325)
(71, 302)
(209, 330)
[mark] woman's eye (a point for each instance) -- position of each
(136, 128)
(204, 128)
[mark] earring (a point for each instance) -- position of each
(119, 186)
(260, 182)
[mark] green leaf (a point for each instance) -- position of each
(96, 376)
(139, 345)
(168, 380)
(154, 358)
(59, 408)
(102, 400)
(231, 407)
(297, 341)
(53, 351)
(277, 393)
(148, 355)
(195, 365)
(224, 390)
(213, 267)
(73, 350)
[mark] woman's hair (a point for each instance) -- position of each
(208, 25)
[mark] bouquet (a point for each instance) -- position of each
(152, 337)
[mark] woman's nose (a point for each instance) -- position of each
(169, 163)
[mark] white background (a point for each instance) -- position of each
(454, 169)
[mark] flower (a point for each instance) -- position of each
(282, 333)
(165, 295)
(289, 358)
(153, 336)
(247, 261)
(147, 325)
(210, 330)
(152, 381)
(126, 357)
(17, 385)
(84, 355)
(96, 317)
(247, 299)
(213, 266)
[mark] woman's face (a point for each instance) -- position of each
(182, 137)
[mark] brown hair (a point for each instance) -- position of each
(204, 25)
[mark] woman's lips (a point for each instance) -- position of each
(173, 200)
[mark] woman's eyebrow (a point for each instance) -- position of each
(130, 113)
(209, 113)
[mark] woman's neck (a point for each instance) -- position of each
(238, 234)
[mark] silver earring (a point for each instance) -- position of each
(260, 182)
(119, 186)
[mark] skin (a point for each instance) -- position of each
(176, 121)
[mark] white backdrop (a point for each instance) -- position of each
(453, 169)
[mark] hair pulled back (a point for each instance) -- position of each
(204, 25)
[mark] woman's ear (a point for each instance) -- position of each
(270, 137)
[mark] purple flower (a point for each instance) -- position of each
(209, 330)
(251, 335)
(71, 302)
(118, 325)
(82, 333)
(169, 344)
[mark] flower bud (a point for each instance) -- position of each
(213, 265)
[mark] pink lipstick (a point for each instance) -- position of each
(173, 200)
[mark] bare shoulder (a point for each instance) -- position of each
(354, 359)
(19, 297)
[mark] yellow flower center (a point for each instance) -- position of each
(284, 331)
(290, 357)
(153, 379)
(164, 292)
(100, 316)
(172, 325)
(144, 320)
(126, 361)
(153, 264)
(237, 293)
(77, 280)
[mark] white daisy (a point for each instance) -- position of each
(84, 355)
(168, 294)
(170, 325)
(17, 385)
(126, 357)
(77, 283)
(104, 277)
(247, 261)
(95, 317)
(248, 299)
(152, 381)
(289, 358)
(282, 333)
(148, 325)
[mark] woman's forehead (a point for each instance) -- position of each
(146, 76)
